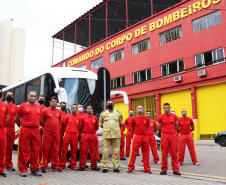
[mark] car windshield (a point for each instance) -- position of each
(79, 91)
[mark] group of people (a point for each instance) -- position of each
(46, 132)
(175, 134)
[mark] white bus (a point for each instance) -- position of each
(70, 85)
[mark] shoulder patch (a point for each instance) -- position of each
(103, 113)
(118, 112)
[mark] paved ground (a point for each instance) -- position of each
(212, 170)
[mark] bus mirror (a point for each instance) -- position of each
(62, 94)
(125, 97)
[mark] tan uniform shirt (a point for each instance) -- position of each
(111, 121)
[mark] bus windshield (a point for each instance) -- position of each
(79, 91)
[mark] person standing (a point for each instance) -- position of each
(51, 137)
(70, 126)
(122, 143)
(140, 126)
(176, 132)
(111, 120)
(89, 125)
(81, 114)
(129, 134)
(63, 115)
(28, 119)
(186, 127)
(10, 130)
(41, 101)
(167, 124)
(151, 137)
(4, 118)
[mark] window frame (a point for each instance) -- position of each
(114, 82)
(169, 32)
(214, 63)
(81, 67)
(115, 53)
(147, 40)
(96, 61)
(138, 76)
(167, 67)
(205, 17)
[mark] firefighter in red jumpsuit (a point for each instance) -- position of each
(152, 142)
(89, 125)
(167, 124)
(70, 137)
(4, 118)
(63, 114)
(186, 127)
(41, 101)
(28, 119)
(51, 137)
(122, 143)
(129, 134)
(140, 126)
(81, 114)
(10, 130)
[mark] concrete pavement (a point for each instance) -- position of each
(212, 161)
(205, 143)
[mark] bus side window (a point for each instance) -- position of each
(49, 86)
(34, 85)
(19, 95)
(16, 95)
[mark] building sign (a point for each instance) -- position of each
(175, 16)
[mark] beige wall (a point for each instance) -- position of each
(12, 51)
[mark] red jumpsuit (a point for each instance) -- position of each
(51, 137)
(129, 135)
(29, 136)
(140, 139)
(122, 142)
(10, 131)
(169, 140)
(186, 138)
(152, 141)
(63, 114)
(80, 132)
(3, 139)
(177, 141)
(89, 141)
(40, 152)
(70, 137)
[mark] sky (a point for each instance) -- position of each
(42, 19)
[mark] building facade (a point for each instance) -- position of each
(12, 52)
(175, 56)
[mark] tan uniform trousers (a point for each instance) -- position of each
(114, 144)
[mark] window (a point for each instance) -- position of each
(142, 76)
(118, 82)
(141, 46)
(19, 95)
(118, 55)
(34, 85)
(210, 57)
(49, 86)
(172, 67)
(83, 66)
(64, 64)
(97, 63)
(207, 21)
(170, 35)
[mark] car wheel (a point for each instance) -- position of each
(222, 141)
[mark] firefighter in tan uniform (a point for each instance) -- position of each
(111, 120)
